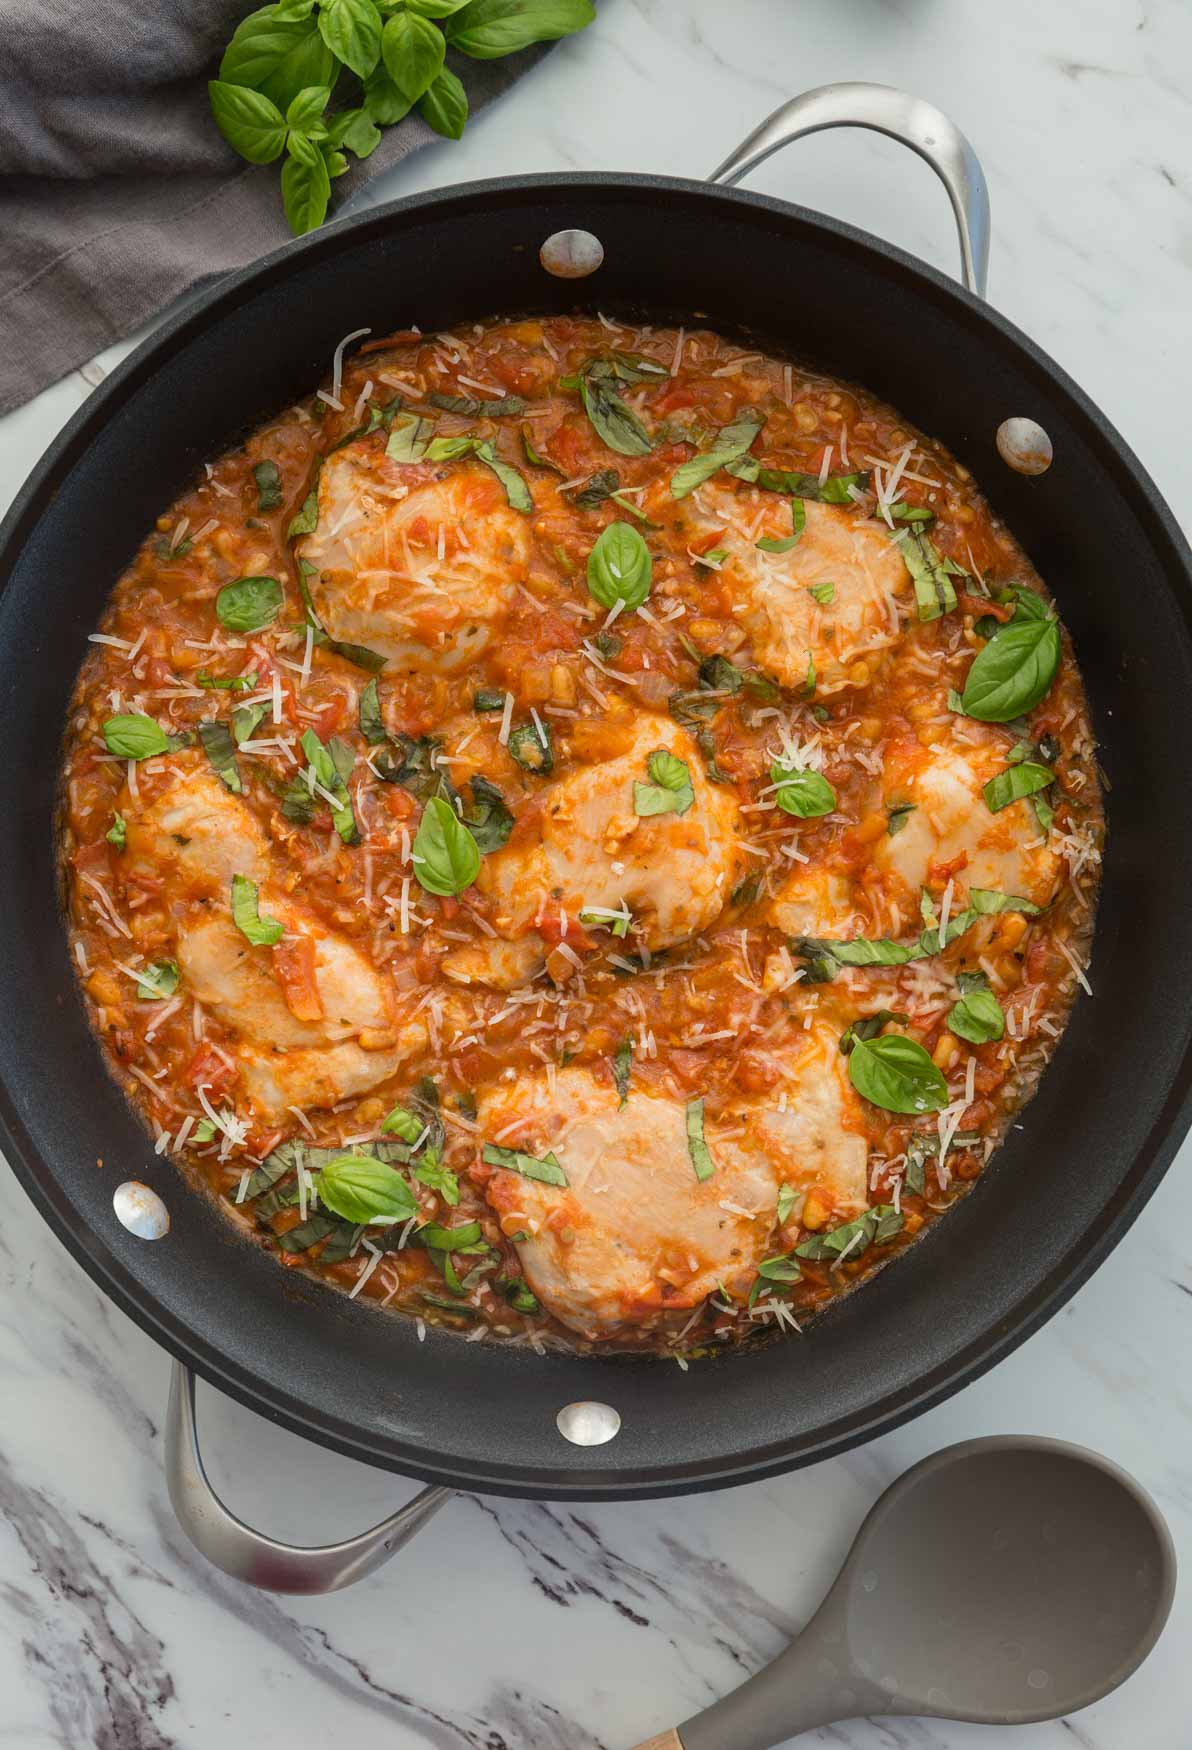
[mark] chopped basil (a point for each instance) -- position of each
(616, 424)
(467, 1238)
(203, 1131)
(488, 820)
(608, 646)
(596, 489)
(417, 769)
(530, 745)
(623, 1068)
(157, 980)
(230, 683)
(217, 744)
(366, 1191)
(809, 683)
(306, 521)
(1014, 671)
(787, 1197)
(798, 523)
(1015, 783)
(518, 1295)
(331, 766)
(431, 1172)
(978, 1015)
(897, 1074)
(807, 794)
(249, 604)
(985, 900)
(446, 856)
(136, 737)
(308, 1233)
(986, 626)
(470, 408)
(823, 593)
(261, 932)
(372, 724)
(689, 708)
(268, 485)
(931, 574)
(898, 815)
(486, 701)
(868, 1027)
(669, 790)
(729, 445)
(713, 559)
(876, 1227)
(604, 918)
(546, 1171)
(833, 489)
(534, 456)
(619, 567)
(911, 513)
(516, 490)
(402, 1122)
(701, 1155)
(784, 1268)
(117, 833)
(408, 439)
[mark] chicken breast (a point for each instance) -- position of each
(674, 871)
(313, 1019)
(419, 562)
(771, 595)
(634, 1237)
(815, 1139)
(815, 902)
(951, 831)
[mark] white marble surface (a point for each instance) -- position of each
(522, 1627)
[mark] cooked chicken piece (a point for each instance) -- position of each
(817, 1142)
(815, 902)
(195, 828)
(316, 1021)
(419, 562)
(951, 831)
(771, 592)
(674, 871)
(635, 1237)
(500, 965)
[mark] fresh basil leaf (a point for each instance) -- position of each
(304, 114)
(261, 932)
(436, 1177)
(372, 724)
(408, 439)
(366, 1191)
(489, 29)
(669, 790)
(1015, 783)
(249, 604)
(246, 720)
(305, 190)
(798, 524)
(784, 1268)
(433, 8)
(807, 794)
(157, 981)
(978, 1015)
(620, 568)
(308, 1233)
(531, 746)
(216, 741)
(898, 815)
(117, 833)
(400, 1121)
(701, 1155)
(615, 424)
(352, 31)
(446, 856)
(331, 766)
(279, 54)
(986, 900)
(413, 51)
(547, 1170)
(248, 121)
(622, 1069)
(877, 1226)
(467, 1237)
(958, 923)
(1013, 672)
(730, 444)
(897, 1074)
(488, 820)
(931, 574)
(135, 737)
(383, 100)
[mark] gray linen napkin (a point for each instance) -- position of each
(117, 192)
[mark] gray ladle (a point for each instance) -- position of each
(1001, 1581)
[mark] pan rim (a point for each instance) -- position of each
(981, 1352)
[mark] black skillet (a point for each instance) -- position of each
(1114, 1103)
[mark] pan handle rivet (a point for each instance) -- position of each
(141, 1210)
(571, 255)
(1024, 446)
(588, 1424)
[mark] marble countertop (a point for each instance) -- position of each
(516, 1626)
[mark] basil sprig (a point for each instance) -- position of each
(136, 737)
(1014, 671)
(446, 856)
(669, 790)
(730, 444)
(246, 915)
(277, 75)
(547, 1170)
(619, 567)
(897, 1074)
(806, 794)
(977, 1016)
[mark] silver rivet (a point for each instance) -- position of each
(571, 255)
(1024, 446)
(588, 1423)
(141, 1210)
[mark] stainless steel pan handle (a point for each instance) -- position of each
(919, 125)
(248, 1555)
